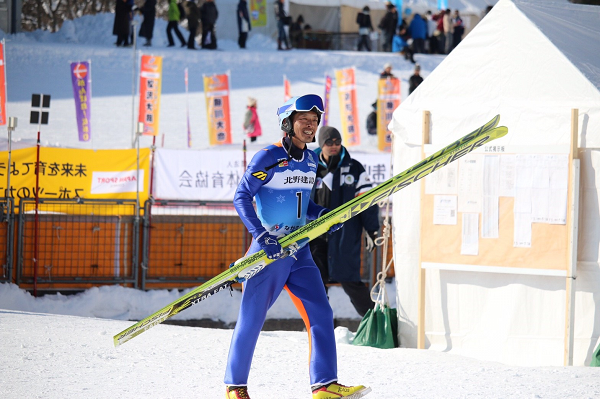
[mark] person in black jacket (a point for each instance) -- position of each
(282, 20)
(208, 16)
(372, 120)
(193, 17)
(148, 10)
(415, 80)
(243, 20)
(121, 24)
(363, 19)
(339, 180)
(388, 25)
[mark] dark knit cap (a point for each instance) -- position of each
(326, 133)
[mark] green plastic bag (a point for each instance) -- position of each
(596, 358)
(379, 328)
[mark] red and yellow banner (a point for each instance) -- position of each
(71, 173)
(348, 109)
(150, 87)
(258, 13)
(388, 99)
(326, 99)
(287, 89)
(2, 85)
(216, 93)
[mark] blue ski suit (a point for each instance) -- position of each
(283, 205)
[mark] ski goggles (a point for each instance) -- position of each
(304, 103)
(330, 142)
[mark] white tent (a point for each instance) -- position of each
(532, 63)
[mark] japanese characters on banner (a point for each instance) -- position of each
(81, 77)
(70, 173)
(287, 89)
(180, 175)
(216, 92)
(258, 13)
(388, 99)
(326, 100)
(3, 117)
(348, 108)
(150, 87)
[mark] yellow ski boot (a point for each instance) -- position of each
(335, 391)
(237, 392)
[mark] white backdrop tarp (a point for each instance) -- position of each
(531, 64)
(213, 175)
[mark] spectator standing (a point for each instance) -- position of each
(174, 17)
(418, 31)
(459, 29)
(121, 24)
(209, 15)
(193, 17)
(282, 21)
(432, 33)
(388, 27)
(448, 31)
(372, 120)
(243, 20)
(441, 38)
(341, 179)
(415, 80)
(387, 71)
(251, 123)
(363, 19)
(297, 33)
(148, 10)
(281, 178)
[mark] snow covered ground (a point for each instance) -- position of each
(61, 346)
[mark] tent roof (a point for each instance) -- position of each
(529, 63)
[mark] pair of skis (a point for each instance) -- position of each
(248, 266)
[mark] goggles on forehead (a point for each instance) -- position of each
(304, 103)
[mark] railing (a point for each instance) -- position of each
(75, 243)
(6, 239)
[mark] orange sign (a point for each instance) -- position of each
(388, 99)
(348, 109)
(150, 86)
(216, 93)
(287, 89)
(2, 85)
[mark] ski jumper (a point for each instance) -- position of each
(283, 205)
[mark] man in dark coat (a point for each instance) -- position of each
(121, 24)
(193, 17)
(339, 180)
(148, 10)
(388, 25)
(243, 20)
(208, 16)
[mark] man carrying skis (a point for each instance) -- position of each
(281, 178)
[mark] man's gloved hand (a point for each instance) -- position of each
(370, 240)
(335, 227)
(270, 245)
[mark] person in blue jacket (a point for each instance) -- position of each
(281, 177)
(418, 31)
(341, 179)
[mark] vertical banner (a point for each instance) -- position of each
(287, 89)
(258, 13)
(388, 99)
(150, 87)
(216, 92)
(187, 110)
(326, 99)
(3, 117)
(348, 109)
(81, 74)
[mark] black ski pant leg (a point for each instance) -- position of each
(169, 34)
(360, 296)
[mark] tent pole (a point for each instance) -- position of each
(421, 323)
(573, 225)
